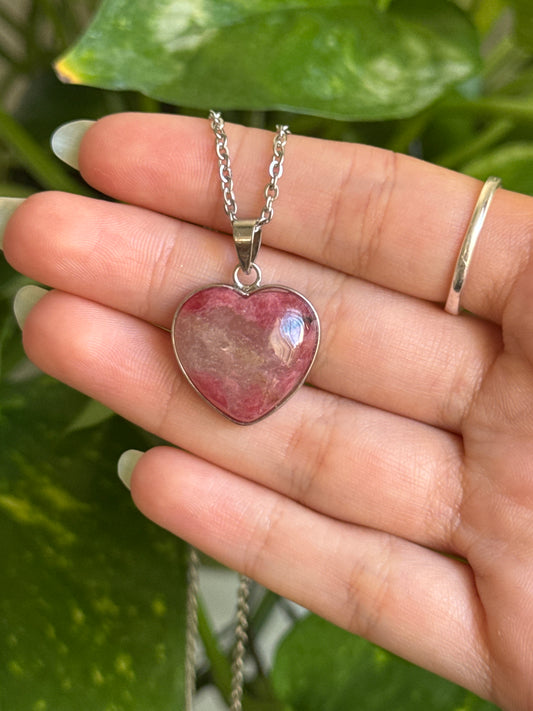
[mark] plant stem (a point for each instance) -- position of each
(500, 106)
(287, 609)
(263, 610)
(220, 664)
(220, 667)
(256, 119)
(43, 167)
(483, 141)
(147, 104)
(408, 130)
(15, 190)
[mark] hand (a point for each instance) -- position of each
(417, 437)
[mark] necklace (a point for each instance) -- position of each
(246, 348)
(191, 635)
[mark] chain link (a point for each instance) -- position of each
(275, 170)
(191, 635)
(191, 631)
(241, 639)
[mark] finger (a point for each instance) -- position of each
(412, 601)
(378, 347)
(388, 218)
(347, 460)
(496, 514)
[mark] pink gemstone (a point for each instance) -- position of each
(245, 353)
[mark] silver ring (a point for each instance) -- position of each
(467, 248)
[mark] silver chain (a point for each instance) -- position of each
(241, 639)
(191, 630)
(191, 635)
(275, 170)
(241, 625)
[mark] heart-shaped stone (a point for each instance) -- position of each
(245, 353)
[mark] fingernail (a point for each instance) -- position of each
(66, 141)
(126, 464)
(25, 300)
(7, 208)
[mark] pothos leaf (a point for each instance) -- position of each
(336, 58)
(320, 667)
(92, 597)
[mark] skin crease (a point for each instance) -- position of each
(417, 438)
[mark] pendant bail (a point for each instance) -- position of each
(247, 239)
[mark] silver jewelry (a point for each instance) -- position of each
(246, 348)
(191, 635)
(469, 242)
(219, 316)
(275, 170)
(241, 639)
(191, 627)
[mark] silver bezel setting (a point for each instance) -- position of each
(246, 293)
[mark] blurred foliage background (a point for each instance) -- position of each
(92, 596)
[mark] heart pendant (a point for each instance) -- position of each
(245, 352)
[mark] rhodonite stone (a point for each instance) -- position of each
(245, 353)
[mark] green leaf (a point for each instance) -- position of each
(93, 595)
(523, 23)
(332, 58)
(485, 14)
(320, 667)
(11, 351)
(38, 162)
(93, 413)
(10, 341)
(511, 162)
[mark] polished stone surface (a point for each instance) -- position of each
(245, 353)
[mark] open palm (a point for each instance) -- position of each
(395, 497)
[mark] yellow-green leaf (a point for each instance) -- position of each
(92, 597)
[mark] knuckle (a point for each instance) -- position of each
(311, 449)
(375, 214)
(261, 542)
(367, 593)
(360, 207)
